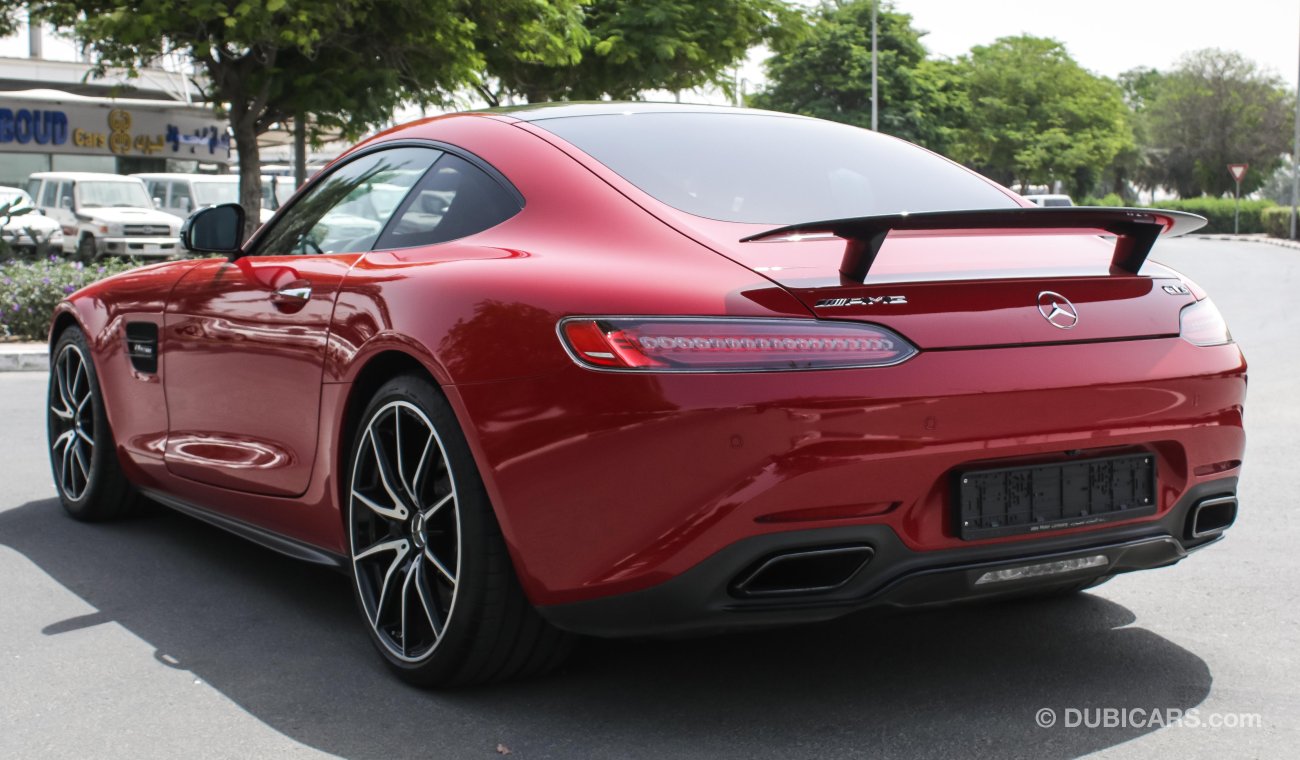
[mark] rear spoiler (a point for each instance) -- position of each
(1135, 230)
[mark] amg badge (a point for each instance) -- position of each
(864, 301)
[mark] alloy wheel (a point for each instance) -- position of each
(404, 531)
(72, 417)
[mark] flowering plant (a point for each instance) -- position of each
(29, 290)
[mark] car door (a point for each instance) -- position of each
(157, 193)
(180, 200)
(56, 199)
(244, 340)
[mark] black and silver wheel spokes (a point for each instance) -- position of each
(404, 528)
(72, 420)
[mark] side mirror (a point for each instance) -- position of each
(158, 201)
(216, 229)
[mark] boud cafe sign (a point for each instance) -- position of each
(29, 126)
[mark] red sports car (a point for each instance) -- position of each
(633, 369)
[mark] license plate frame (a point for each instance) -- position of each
(1052, 496)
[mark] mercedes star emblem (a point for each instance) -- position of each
(1057, 310)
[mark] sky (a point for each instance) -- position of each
(1111, 36)
(1106, 36)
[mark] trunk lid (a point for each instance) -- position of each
(944, 291)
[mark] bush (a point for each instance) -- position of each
(29, 291)
(1277, 221)
(1109, 199)
(1219, 212)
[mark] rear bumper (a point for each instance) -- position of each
(704, 599)
(609, 484)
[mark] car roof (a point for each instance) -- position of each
(543, 111)
(187, 176)
(85, 176)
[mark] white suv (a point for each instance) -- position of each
(1049, 201)
(182, 194)
(104, 214)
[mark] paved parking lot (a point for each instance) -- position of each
(163, 637)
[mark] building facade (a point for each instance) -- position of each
(58, 114)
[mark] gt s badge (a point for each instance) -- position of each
(1176, 290)
(864, 301)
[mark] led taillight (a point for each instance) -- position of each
(698, 344)
(1202, 324)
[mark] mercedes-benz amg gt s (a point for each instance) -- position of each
(634, 369)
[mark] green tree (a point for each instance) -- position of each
(346, 63)
(1035, 116)
(9, 16)
(1135, 165)
(628, 46)
(1217, 108)
(825, 71)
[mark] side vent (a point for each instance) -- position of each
(142, 346)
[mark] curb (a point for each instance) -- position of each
(1265, 239)
(24, 358)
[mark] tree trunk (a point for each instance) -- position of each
(250, 169)
(299, 149)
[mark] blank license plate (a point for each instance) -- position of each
(1046, 497)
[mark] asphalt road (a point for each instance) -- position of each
(163, 637)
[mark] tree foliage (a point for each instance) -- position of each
(627, 46)
(1217, 108)
(346, 63)
(9, 16)
(1036, 116)
(825, 71)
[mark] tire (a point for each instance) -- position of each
(431, 575)
(86, 249)
(83, 457)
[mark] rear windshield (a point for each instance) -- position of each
(747, 167)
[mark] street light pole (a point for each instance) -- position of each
(1295, 161)
(875, 124)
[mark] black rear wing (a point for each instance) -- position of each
(1135, 230)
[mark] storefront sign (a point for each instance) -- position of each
(33, 125)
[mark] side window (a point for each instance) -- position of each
(454, 200)
(66, 190)
(157, 192)
(34, 190)
(181, 199)
(50, 194)
(346, 211)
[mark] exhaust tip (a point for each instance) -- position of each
(1211, 517)
(805, 571)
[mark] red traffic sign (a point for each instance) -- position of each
(1238, 171)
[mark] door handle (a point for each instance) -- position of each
(294, 293)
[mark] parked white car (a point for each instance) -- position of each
(24, 229)
(1050, 200)
(104, 214)
(181, 194)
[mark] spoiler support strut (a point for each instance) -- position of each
(1135, 229)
